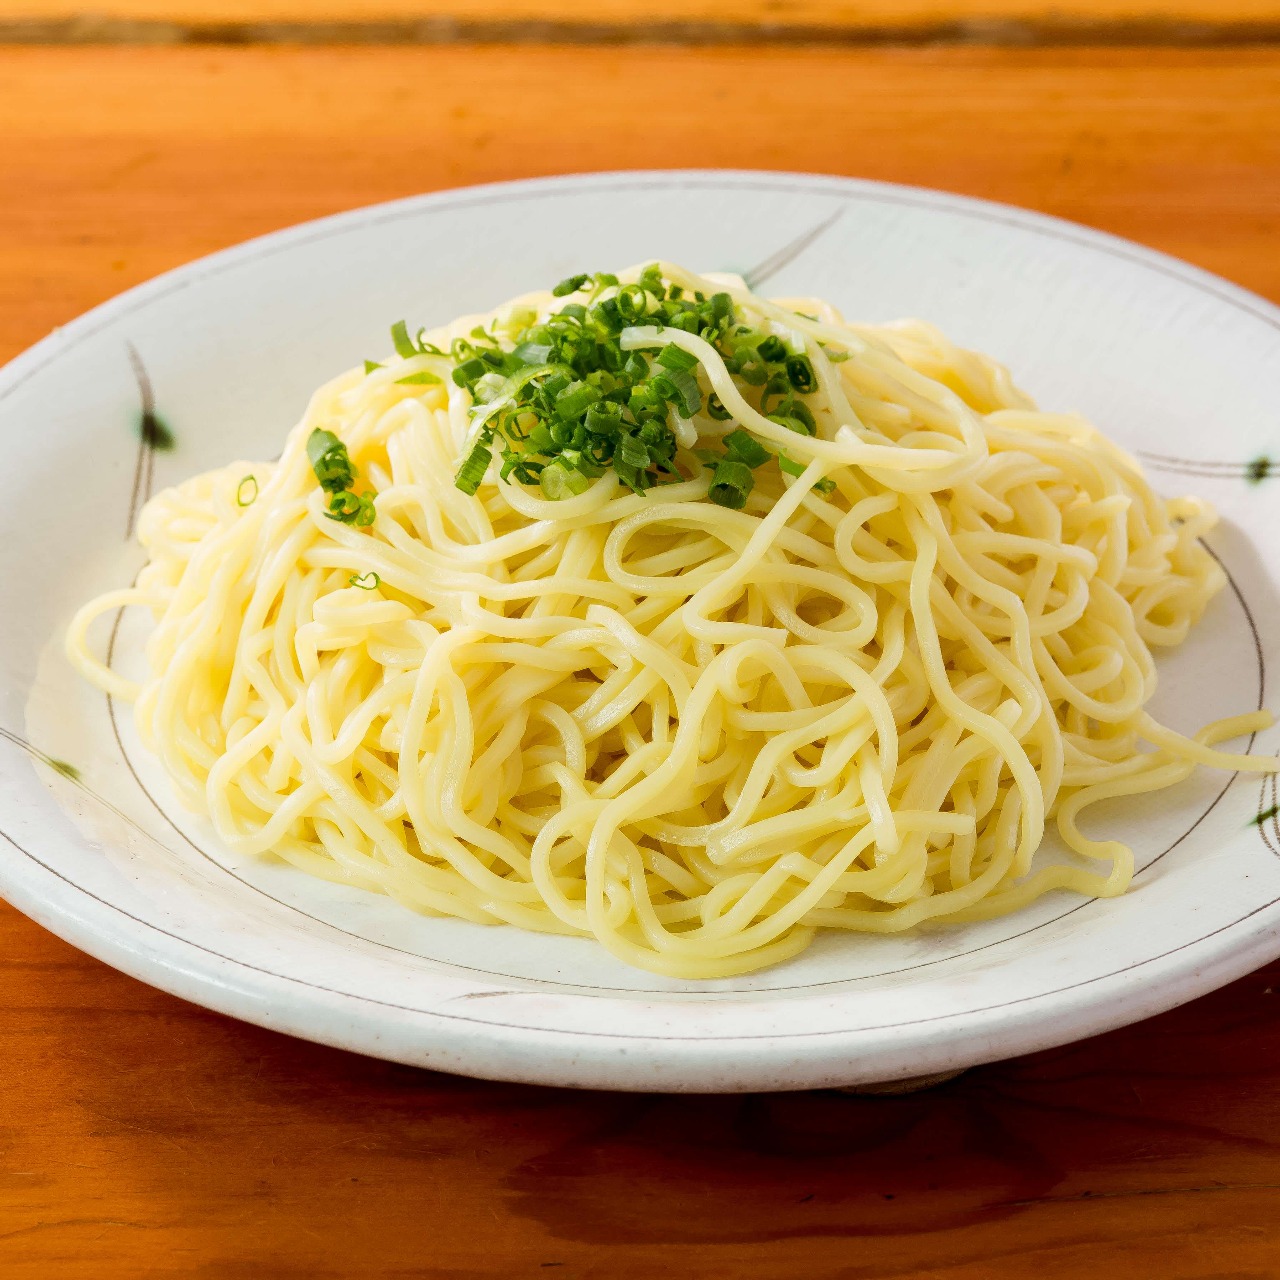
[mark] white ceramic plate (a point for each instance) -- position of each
(1173, 363)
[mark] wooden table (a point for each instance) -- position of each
(140, 1136)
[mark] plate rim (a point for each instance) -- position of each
(799, 1059)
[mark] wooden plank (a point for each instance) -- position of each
(142, 1136)
(978, 19)
(130, 161)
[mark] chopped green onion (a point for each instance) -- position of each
(330, 461)
(319, 443)
(604, 419)
(365, 581)
(370, 366)
(676, 358)
(608, 317)
(746, 448)
(351, 508)
(415, 379)
(632, 303)
(489, 388)
(731, 483)
(470, 371)
(686, 386)
(651, 281)
(716, 410)
(404, 345)
(560, 400)
(633, 452)
(247, 491)
(559, 482)
(571, 284)
(575, 399)
(472, 471)
(800, 374)
(335, 471)
(533, 352)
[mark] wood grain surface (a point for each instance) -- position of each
(120, 162)
(984, 20)
(143, 1137)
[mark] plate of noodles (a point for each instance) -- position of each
(692, 631)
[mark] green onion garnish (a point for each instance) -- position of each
(731, 483)
(329, 461)
(570, 284)
(365, 581)
(746, 448)
(247, 491)
(562, 481)
(771, 349)
(336, 473)
(676, 358)
(559, 401)
(414, 379)
(473, 469)
(800, 374)
(404, 345)
(792, 468)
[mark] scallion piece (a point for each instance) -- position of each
(731, 482)
(469, 372)
(593, 386)
(336, 473)
(365, 581)
(352, 508)
(472, 471)
(746, 448)
(800, 374)
(247, 491)
(633, 452)
(404, 345)
(417, 379)
(533, 352)
(330, 462)
(558, 482)
(771, 349)
(687, 389)
(575, 399)
(570, 284)
(676, 358)
(632, 303)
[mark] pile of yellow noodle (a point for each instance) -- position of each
(695, 734)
